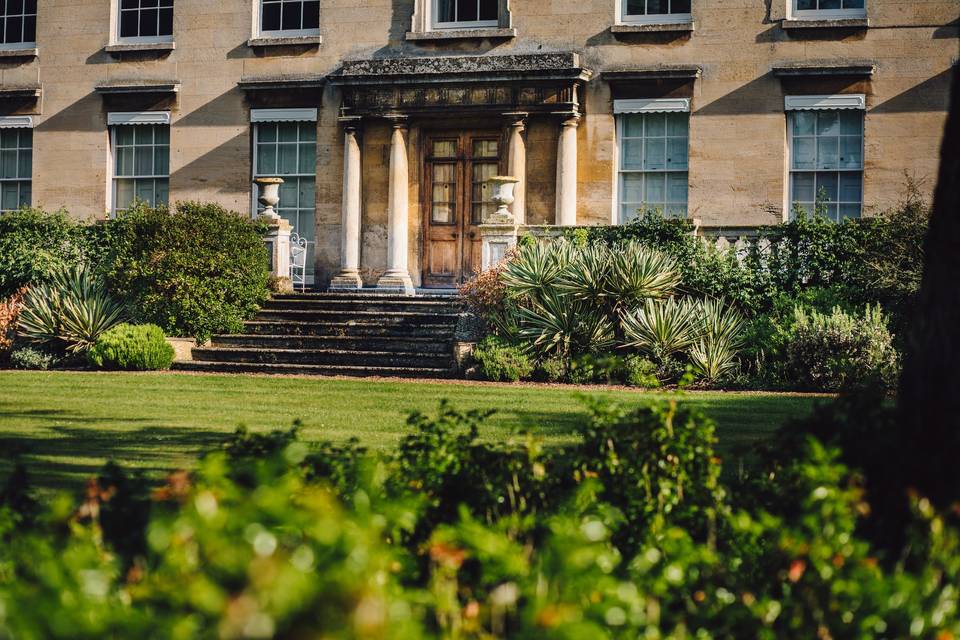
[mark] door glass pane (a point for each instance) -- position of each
(444, 193)
(482, 206)
(485, 148)
(444, 148)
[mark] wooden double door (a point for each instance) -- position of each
(456, 200)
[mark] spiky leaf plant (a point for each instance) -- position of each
(714, 355)
(587, 274)
(558, 325)
(660, 328)
(536, 267)
(70, 312)
(638, 273)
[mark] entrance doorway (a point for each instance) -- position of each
(456, 200)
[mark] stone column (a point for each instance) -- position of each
(567, 173)
(517, 165)
(349, 276)
(397, 277)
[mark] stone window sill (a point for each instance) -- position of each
(838, 23)
(461, 34)
(292, 41)
(140, 47)
(657, 27)
(19, 53)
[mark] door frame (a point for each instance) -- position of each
(464, 209)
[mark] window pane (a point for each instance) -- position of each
(851, 153)
(655, 154)
(287, 159)
(828, 123)
(803, 187)
(677, 124)
(850, 187)
(14, 29)
(656, 190)
(632, 125)
(657, 6)
(270, 18)
(162, 188)
(124, 194)
(631, 190)
(8, 139)
(851, 123)
(8, 163)
(307, 194)
(143, 163)
(827, 186)
(26, 164)
(266, 159)
(806, 5)
(629, 212)
(161, 161)
(829, 5)
(853, 4)
(656, 124)
(849, 210)
(124, 161)
(290, 193)
(9, 196)
(144, 191)
(308, 132)
(445, 11)
(267, 132)
(804, 123)
(680, 6)
(125, 135)
(166, 22)
(632, 154)
(308, 158)
(467, 10)
(129, 22)
(828, 153)
(804, 153)
(148, 22)
(636, 7)
(677, 187)
(142, 135)
(311, 15)
(287, 131)
(676, 153)
(292, 12)
(489, 9)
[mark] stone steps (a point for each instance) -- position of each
(340, 334)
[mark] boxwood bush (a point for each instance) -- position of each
(132, 347)
(193, 270)
(35, 245)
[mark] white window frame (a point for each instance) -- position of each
(826, 14)
(259, 31)
(127, 118)
(19, 122)
(118, 39)
(656, 18)
(839, 102)
(644, 106)
(264, 116)
(435, 24)
(20, 46)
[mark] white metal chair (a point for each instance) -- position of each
(298, 261)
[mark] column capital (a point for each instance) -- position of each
(398, 120)
(570, 120)
(350, 124)
(517, 118)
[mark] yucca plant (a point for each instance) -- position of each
(721, 337)
(587, 274)
(660, 328)
(70, 312)
(637, 273)
(558, 325)
(535, 268)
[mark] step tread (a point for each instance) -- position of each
(376, 370)
(280, 336)
(317, 351)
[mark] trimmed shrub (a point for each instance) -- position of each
(194, 270)
(640, 372)
(502, 362)
(35, 245)
(836, 351)
(132, 347)
(33, 358)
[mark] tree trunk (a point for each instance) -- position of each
(929, 400)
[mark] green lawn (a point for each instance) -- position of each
(68, 424)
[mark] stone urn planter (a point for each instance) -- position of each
(269, 197)
(502, 188)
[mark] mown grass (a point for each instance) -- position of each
(65, 425)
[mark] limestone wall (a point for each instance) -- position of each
(737, 132)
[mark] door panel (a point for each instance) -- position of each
(457, 199)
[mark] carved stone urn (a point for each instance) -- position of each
(269, 197)
(502, 188)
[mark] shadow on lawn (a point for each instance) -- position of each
(66, 456)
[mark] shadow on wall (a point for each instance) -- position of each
(83, 116)
(752, 97)
(932, 94)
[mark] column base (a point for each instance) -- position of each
(346, 282)
(396, 283)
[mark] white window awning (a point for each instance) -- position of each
(652, 105)
(16, 122)
(283, 115)
(115, 118)
(857, 101)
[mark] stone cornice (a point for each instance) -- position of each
(833, 68)
(654, 72)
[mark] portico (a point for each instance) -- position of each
(451, 122)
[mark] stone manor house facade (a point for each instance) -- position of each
(385, 118)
